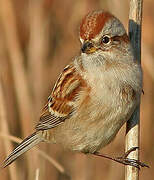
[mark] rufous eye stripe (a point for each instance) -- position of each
(123, 38)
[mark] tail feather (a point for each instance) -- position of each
(24, 146)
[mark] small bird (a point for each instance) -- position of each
(94, 95)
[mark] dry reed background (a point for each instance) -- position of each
(37, 39)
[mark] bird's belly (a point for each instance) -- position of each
(94, 125)
(89, 134)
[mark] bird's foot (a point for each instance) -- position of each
(124, 159)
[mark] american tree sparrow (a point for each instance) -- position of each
(94, 95)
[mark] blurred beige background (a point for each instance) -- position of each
(37, 39)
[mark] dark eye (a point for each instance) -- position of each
(105, 39)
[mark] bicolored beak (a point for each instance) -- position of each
(88, 47)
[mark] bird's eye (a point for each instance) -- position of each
(105, 39)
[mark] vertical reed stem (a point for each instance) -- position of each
(133, 125)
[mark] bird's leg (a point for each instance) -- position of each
(124, 160)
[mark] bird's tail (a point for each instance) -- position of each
(24, 146)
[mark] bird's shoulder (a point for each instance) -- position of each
(62, 100)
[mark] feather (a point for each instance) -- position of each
(61, 101)
(49, 121)
(24, 146)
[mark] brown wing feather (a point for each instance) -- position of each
(60, 104)
(49, 121)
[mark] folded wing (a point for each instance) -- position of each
(60, 105)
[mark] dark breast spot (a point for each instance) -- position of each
(128, 93)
